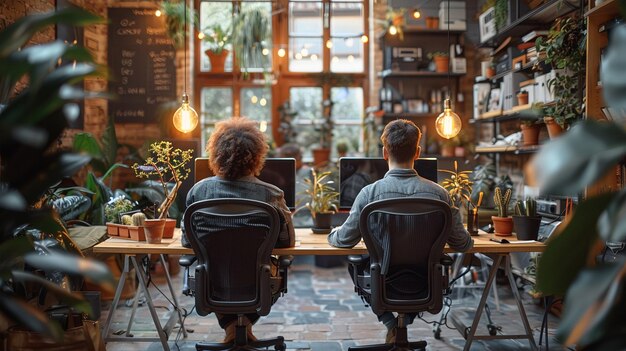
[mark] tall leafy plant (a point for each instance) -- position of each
(594, 293)
(251, 35)
(30, 125)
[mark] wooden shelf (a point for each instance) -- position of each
(416, 74)
(609, 7)
(543, 14)
(520, 112)
(409, 115)
(500, 149)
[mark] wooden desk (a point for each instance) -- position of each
(308, 243)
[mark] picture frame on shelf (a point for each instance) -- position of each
(495, 100)
(487, 24)
(415, 105)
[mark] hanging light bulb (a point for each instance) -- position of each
(364, 39)
(393, 30)
(448, 123)
(417, 14)
(201, 35)
(329, 43)
(157, 13)
(185, 118)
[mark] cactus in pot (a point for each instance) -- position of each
(503, 223)
(526, 222)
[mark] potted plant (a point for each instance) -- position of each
(251, 40)
(554, 127)
(174, 12)
(448, 146)
(168, 167)
(522, 98)
(565, 50)
(321, 199)
(491, 70)
(442, 61)
(219, 40)
(502, 223)
(526, 221)
(112, 211)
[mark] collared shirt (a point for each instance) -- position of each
(248, 187)
(399, 183)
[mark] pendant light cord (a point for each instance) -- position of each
(449, 51)
(185, 50)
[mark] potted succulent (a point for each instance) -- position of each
(502, 223)
(168, 167)
(321, 199)
(219, 40)
(530, 131)
(441, 60)
(526, 221)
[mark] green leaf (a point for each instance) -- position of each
(611, 224)
(109, 143)
(111, 169)
(62, 262)
(567, 251)
(591, 298)
(14, 249)
(85, 142)
(570, 163)
(29, 316)
(17, 34)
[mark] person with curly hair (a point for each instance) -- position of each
(237, 151)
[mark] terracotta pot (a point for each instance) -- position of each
(447, 150)
(217, 60)
(137, 233)
(123, 231)
(168, 230)
(522, 99)
(154, 230)
(526, 228)
(112, 229)
(432, 22)
(320, 156)
(441, 64)
(554, 129)
(503, 225)
(491, 72)
(530, 134)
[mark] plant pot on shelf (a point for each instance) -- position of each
(491, 71)
(320, 156)
(503, 225)
(154, 230)
(526, 228)
(530, 134)
(322, 223)
(554, 129)
(441, 63)
(522, 98)
(447, 150)
(217, 60)
(168, 230)
(432, 22)
(459, 151)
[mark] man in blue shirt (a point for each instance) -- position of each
(401, 139)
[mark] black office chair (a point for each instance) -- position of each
(408, 273)
(233, 241)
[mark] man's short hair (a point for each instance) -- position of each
(237, 148)
(290, 150)
(401, 138)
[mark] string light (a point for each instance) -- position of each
(157, 13)
(185, 118)
(265, 51)
(263, 102)
(200, 35)
(417, 14)
(313, 57)
(364, 39)
(281, 52)
(393, 30)
(298, 56)
(254, 99)
(304, 52)
(329, 43)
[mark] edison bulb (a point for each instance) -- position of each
(393, 30)
(448, 123)
(185, 118)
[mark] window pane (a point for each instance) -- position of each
(267, 8)
(349, 135)
(305, 19)
(305, 55)
(256, 104)
(346, 28)
(217, 104)
(212, 13)
(347, 103)
(307, 101)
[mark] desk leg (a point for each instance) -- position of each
(174, 298)
(520, 305)
(132, 314)
(483, 301)
(116, 298)
(142, 282)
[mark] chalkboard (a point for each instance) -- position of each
(142, 64)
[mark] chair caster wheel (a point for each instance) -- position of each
(282, 347)
(437, 333)
(493, 330)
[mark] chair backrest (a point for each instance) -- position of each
(233, 240)
(405, 238)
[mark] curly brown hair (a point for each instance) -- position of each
(236, 148)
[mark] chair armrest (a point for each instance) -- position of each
(446, 261)
(356, 259)
(285, 261)
(187, 260)
(445, 264)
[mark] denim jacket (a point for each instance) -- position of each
(248, 187)
(399, 183)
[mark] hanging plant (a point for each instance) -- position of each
(251, 35)
(174, 13)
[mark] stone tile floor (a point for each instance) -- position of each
(321, 312)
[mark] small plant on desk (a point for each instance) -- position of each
(321, 198)
(526, 221)
(502, 222)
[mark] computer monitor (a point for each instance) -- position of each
(357, 172)
(280, 172)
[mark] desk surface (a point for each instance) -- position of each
(307, 243)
